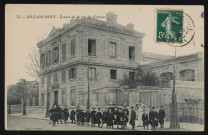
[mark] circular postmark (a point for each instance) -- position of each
(187, 35)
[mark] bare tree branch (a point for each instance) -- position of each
(32, 67)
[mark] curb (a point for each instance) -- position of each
(28, 117)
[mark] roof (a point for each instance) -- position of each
(157, 56)
(189, 57)
(90, 22)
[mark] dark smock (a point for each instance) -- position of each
(60, 115)
(117, 116)
(72, 115)
(78, 111)
(98, 117)
(110, 118)
(161, 116)
(66, 113)
(133, 118)
(93, 117)
(87, 116)
(145, 119)
(105, 117)
(153, 116)
(126, 114)
(82, 116)
(54, 114)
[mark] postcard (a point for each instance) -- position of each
(104, 67)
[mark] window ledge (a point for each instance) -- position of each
(113, 80)
(73, 79)
(91, 55)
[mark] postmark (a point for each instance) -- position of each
(174, 27)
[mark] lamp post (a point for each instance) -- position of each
(88, 87)
(47, 103)
(174, 124)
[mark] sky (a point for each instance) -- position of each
(22, 34)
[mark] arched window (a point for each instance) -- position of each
(187, 75)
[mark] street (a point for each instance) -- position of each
(21, 123)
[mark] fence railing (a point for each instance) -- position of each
(187, 112)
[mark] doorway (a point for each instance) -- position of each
(56, 97)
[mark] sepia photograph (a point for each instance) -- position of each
(104, 67)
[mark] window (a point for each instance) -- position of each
(64, 51)
(42, 80)
(92, 73)
(112, 50)
(55, 77)
(91, 47)
(132, 53)
(56, 54)
(131, 75)
(63, 97)
(73, 46)
(187, 75)
(72, 73)
(113, 74)
(73, 97)
(63, 77)
(48, 57)
(42, 60)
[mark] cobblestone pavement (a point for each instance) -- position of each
(27, 123)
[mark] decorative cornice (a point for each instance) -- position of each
(94, 23)
(45, 71)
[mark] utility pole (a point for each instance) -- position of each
(174, 124)
(24, 97)
(88, 87)
(47, 102)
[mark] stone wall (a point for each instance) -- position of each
(35, 110)
(15, 108)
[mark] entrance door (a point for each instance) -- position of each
(56, 97)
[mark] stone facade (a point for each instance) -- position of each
(101, 47)
(193, 62)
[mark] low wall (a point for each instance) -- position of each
(35, 109)
(15, 108)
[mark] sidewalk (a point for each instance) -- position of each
(30, 116)
(183, 126)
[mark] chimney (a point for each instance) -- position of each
(111, 18)
(130, 26)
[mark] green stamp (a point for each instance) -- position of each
(169, 26)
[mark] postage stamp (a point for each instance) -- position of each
(169, 26)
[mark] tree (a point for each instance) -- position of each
(139, 78)
(33, 65)
(144, 78)
(22, 88)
